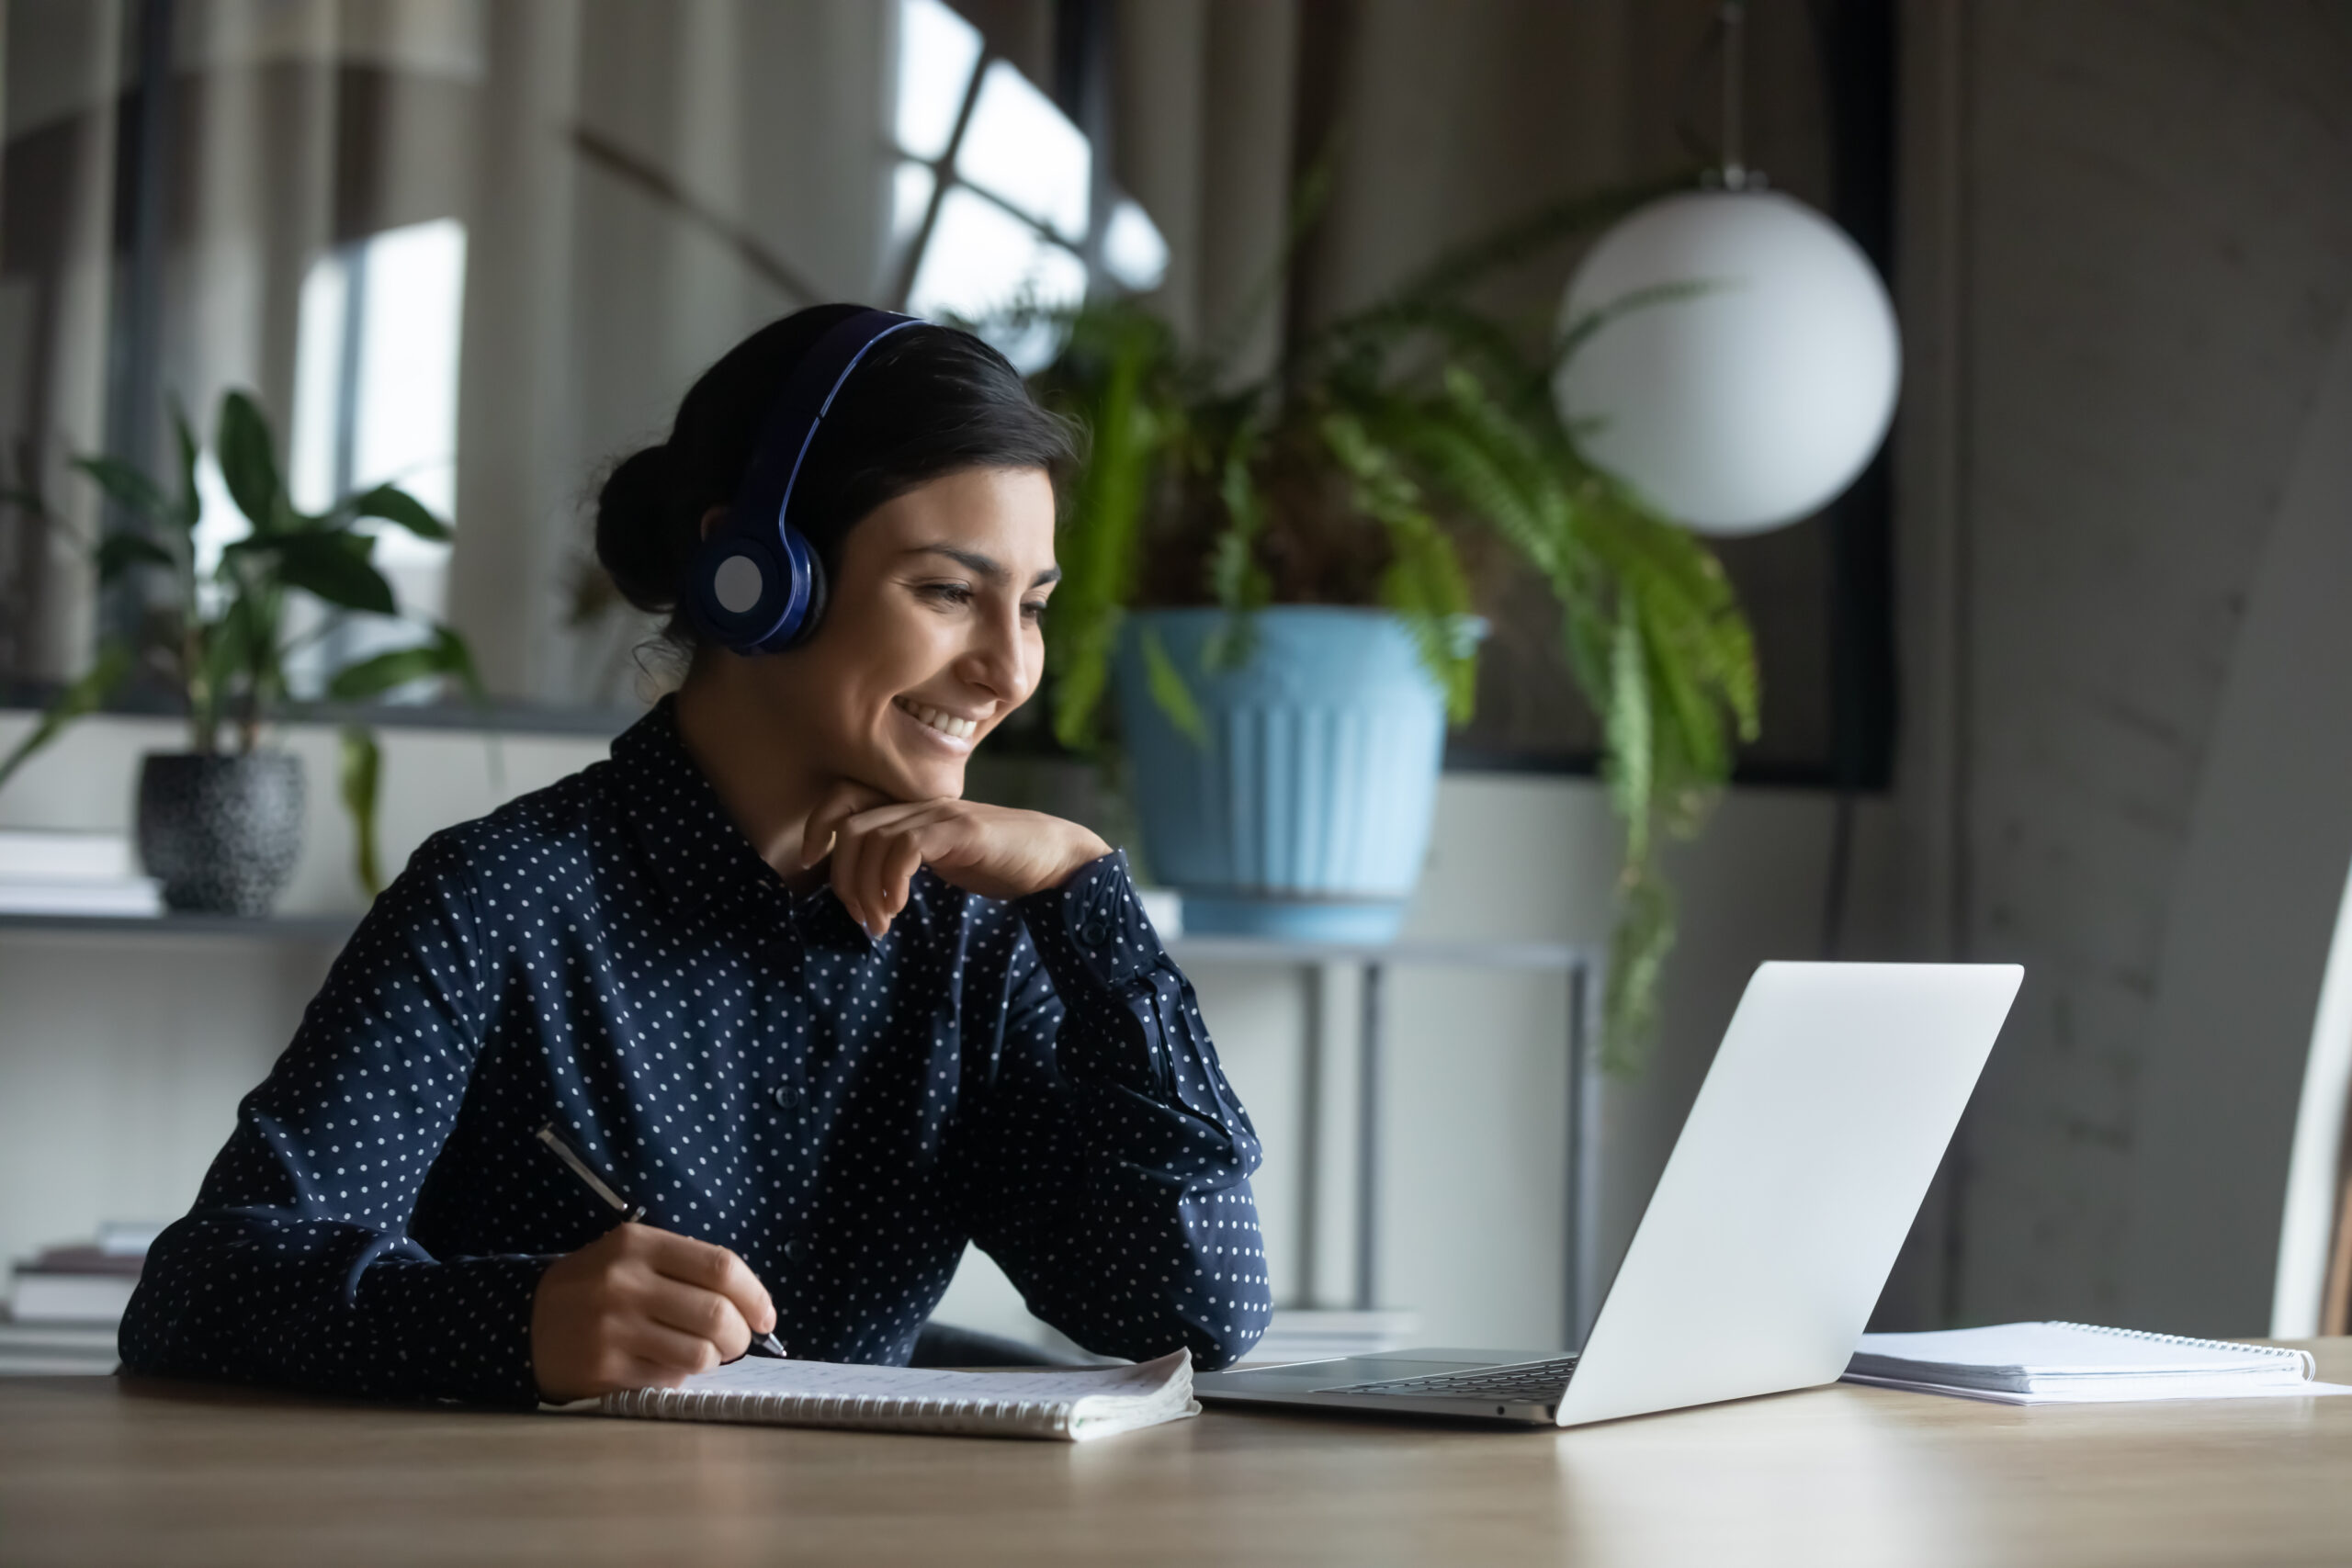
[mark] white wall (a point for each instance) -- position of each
(121, 1059)
(2134, 252)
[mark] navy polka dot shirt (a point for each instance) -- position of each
(745, 1062)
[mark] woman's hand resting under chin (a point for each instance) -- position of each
(992, 851)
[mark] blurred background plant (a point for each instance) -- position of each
(219, 634)
(1382, 461)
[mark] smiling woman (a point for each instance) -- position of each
(826, 1021)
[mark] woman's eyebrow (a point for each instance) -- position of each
(984, 566)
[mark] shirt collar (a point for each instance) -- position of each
(696, 853)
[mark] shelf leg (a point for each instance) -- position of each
(1581, 1200)
(1307, 1292)
(1368, 1141)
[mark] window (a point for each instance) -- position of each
(994, 204)
(376, 402)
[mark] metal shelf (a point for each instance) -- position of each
(305, 928)
(1576, 964)
(1554, 957)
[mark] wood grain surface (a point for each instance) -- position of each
(105, 1471)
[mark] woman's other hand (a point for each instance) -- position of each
(992, 851)
(641, 1308)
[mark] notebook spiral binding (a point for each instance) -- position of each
(866, 1410)
(2301, 1358)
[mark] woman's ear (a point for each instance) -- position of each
(712, 519)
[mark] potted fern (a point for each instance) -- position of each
(220, 824)
(1266, 582)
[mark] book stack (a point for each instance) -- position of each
(89, 1282)
(64, 1306)
(45, 873)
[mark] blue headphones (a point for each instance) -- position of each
(755, 586)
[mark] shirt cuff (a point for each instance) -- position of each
(1092, 931)
(459, 1330)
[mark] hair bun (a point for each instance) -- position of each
(641, 542)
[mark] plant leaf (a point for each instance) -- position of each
(1638, 949)
(331, 566)
(1169, 692)
(118, 553)
(128, 488)
(446, 654)
(1631, 738)
(1110, 360)
(249, 465)
(363, 767)
(81, 697)
(395, 505)
(190, 510)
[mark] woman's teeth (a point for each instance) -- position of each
(945, 723)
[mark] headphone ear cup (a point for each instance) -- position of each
(820, 587)
(738, 589)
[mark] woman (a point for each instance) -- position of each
(765, 968)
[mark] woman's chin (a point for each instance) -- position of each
(926, 778)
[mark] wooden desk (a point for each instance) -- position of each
(95, 1471)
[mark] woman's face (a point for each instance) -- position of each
(931, 636)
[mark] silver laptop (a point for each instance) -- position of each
(1771, 1232)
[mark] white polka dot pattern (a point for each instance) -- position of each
(744, 1062)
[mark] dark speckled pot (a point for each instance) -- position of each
(222, 833)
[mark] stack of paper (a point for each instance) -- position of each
(72, 874)
(2053, 1363)
(1309, 1335)
(87, 1283)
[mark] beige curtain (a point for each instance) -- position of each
(564, 134)
(61, 63)
(641, 182)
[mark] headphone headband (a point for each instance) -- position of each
(757, 586)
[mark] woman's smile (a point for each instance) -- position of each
(938, 725)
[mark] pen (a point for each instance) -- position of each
(768, 1344)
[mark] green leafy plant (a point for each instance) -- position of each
(220, 639)
(1382, 450)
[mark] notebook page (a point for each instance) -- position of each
(755, 1376)
(2042, 1349)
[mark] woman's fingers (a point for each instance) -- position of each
(641, 1305)
(849, 847)
(709, 1319)
(669, 1351)
(896, 854)
(889, 845)
(714, 1270)
(843, 801)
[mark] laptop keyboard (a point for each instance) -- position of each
(1538, 1381)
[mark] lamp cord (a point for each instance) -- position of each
(1734, 14)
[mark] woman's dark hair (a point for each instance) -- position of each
(924, 403)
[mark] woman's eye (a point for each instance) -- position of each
(1032, 610)
(946, 593)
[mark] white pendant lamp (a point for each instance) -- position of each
(1743, 359)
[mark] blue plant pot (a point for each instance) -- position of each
(1305, 813)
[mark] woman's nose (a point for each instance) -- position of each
(997, 658)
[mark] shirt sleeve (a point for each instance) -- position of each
(1116, 1165)
(295, 1267)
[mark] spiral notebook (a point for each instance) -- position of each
(2065, 1364)
(1066, 1407)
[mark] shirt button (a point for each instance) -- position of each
(785, 1096)
(792, 1249)
(1093, 930)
